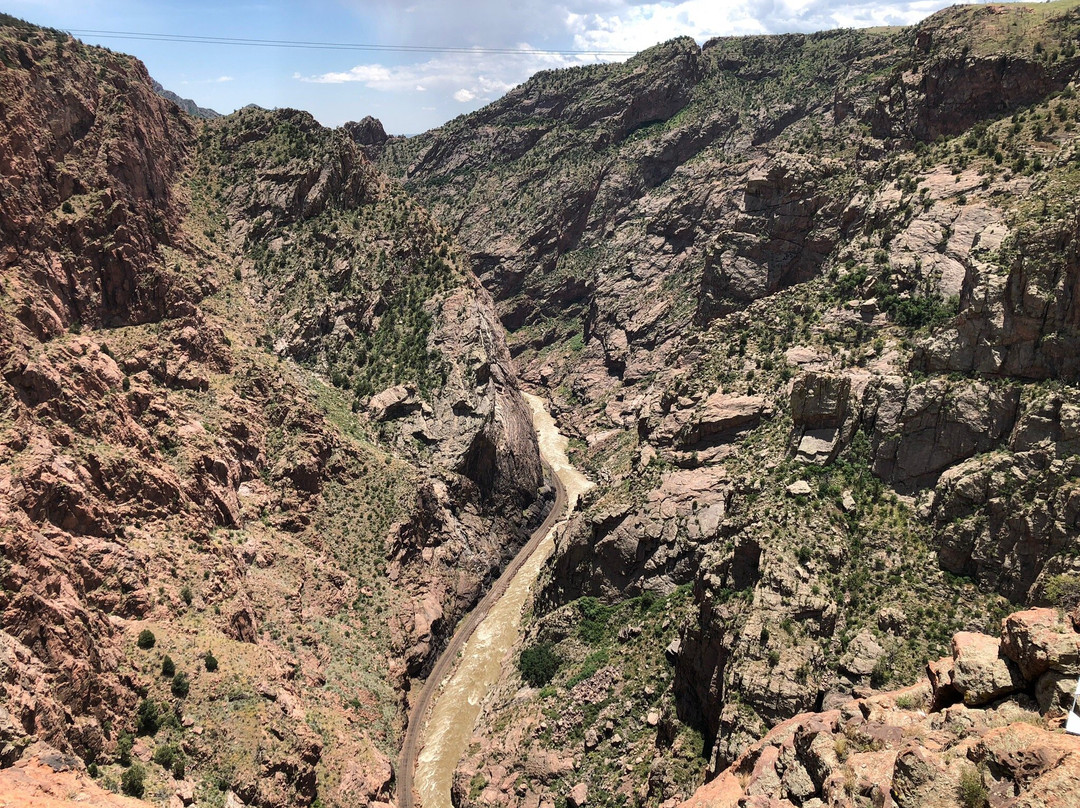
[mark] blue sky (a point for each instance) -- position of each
(414, 91)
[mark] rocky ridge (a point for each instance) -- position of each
(186, 104)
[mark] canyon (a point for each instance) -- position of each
(804, 306)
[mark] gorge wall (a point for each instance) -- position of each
(262, 442)
(808, 302)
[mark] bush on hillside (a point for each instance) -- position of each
(132, 780)
(538, 664)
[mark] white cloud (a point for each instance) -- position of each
(635, 26)
(465, 76)
(223, 79)
(369, 75)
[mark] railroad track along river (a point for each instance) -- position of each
(443, 714)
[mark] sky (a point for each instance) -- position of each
(480, 48)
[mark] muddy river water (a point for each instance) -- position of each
(450, 725)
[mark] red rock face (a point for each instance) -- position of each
(49, 780)
(87, 168)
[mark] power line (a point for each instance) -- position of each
(287, 43)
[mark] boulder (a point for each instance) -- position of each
(847, 502)
(1038, 640)
(818, 446)
(981, 673)
(799, 488)
(392, 402)
(915, 777)
(891, 620)
(578, 796)
(862, 654)
(1054, 692)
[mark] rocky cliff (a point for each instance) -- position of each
(262, 444)
(807, 303)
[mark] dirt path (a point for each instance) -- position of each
(439, 746)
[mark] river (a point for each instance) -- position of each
(456, 706)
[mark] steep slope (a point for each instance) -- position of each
(220, 569)
(703, 179)
(809, 304)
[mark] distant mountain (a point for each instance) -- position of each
(186, 104)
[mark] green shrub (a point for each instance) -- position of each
(907, 702)
(170, 756)
(185, 594)
(148, 719)
(146, 639)
(538, 664)
(210, 661)
(124, 742)
(67, 207)
(131, 782)
(593, 627)
(476, 786)
(882, 673)
(849, 285)
(970, 790)
(180, 685)
(593, 662)
(168, 667)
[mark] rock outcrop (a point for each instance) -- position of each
(366, 132)
(920, 745)
(88, 170)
